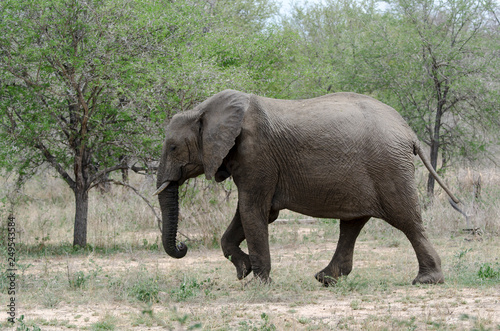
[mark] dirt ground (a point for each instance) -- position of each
(378, 295)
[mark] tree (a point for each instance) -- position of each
(86, 86)
(249, 48)
(75, 85)
(334, 40)
(436, 62)
(443, 59)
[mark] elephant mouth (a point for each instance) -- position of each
(184, 173)
(167, 183)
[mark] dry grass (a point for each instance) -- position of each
(45, 212)
(146, 289)
(126, 282)
(479, 191)
(45, 209)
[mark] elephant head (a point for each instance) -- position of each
(197, 141)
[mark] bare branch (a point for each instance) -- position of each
(158, 218)
(53, 162)
(102, 173)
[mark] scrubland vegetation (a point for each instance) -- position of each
(86, 88)
(123, 279)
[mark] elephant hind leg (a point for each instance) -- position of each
(429, 262)
(341, 263)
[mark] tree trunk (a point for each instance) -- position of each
(81, 168)
(436, 136)
(434, 158)
(81, 213)
(124, 171)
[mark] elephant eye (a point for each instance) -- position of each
(173, 148)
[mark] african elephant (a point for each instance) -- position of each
(344, 155)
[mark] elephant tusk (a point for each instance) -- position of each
(161, 188)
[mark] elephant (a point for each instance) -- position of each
(345, 156)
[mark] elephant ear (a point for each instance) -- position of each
(221, 119)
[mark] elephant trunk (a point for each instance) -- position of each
(169, 204)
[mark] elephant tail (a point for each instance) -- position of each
(453, 199)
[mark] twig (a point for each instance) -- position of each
(158, 219)
(117, 182)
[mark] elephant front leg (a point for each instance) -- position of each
(341, 263)
(255, 217)
(230, 244)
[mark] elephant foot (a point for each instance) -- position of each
(435, 277)
(332, 273)
(243, 269)
(242, 263)
(325, 279)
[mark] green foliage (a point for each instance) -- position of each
(23, 327)
(435, 62)
(80, 279)
(182, 320)
(91, 53)
(487, 271)
(329, 221)
(190, 288)
(150, 246)
(406, 324)
(87, 87)
(353, 283)
(145, 289)
(108, 323)
(460, 256)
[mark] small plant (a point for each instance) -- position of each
(187, 289)
(98, 326)
(264, 325)
(460, 256)
(150, 246)
(107, 323)
(406, 324)
(23, 327)
(486, 271)
(329, 221)
(346, 285)
(183, 320)
(146, 289)
(355, 304)
(304, 320)
(191, 288)
(80, 279)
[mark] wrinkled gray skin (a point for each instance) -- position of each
(344, 156)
